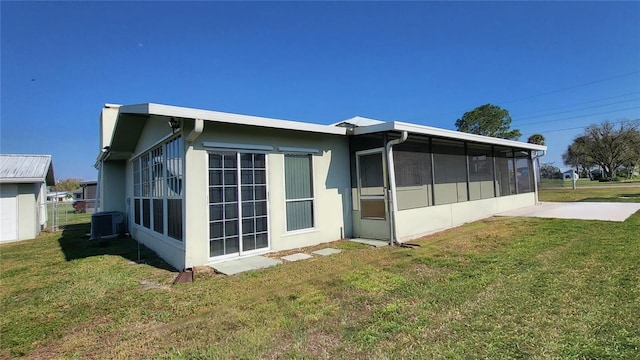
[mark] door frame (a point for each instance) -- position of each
(240, 252)
(374, 222)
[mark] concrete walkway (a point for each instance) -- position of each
(240, 265)
(237, 266)
(605, 211)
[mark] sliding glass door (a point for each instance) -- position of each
(237, 203)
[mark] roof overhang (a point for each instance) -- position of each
(443, 133)
(21, 181)
(228, 118)
(131, 120)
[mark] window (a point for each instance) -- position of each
(412, 165)
(524, 172)
(173, 185)
(450, 172)
(505, 176)
(157, 185)
(298, 191)
(145, 161)
(136, 191)
(480, 172)
(372, 185)
(157, 188)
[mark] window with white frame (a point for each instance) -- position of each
(298, 191)
(157, 189)
(174, 178)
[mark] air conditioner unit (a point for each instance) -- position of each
(107, 224)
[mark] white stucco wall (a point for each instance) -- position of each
(415, 223)
(107, 122)
(113, 176)
(332, 214)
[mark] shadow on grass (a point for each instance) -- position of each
(76, 245)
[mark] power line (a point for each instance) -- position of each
(570, 87)
(554, 91)
(579, 116)
(574, 110)
(575, 128)
(580, 103)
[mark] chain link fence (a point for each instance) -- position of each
(63, 213)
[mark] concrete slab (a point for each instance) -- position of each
(371, 242)
(237, 266)
(605, 211)
(326, 251)
(296, 257)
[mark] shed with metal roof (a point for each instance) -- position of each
(23, 188)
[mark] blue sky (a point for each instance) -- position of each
(553, 65)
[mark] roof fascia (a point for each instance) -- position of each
(21, 180)
(208, 115)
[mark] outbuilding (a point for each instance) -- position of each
(23, 188)
(201, 186)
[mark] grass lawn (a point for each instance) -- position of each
(545, 184)
(498, 288)
(600, 194)
(65, 214)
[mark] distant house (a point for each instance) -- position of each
(200, 186)
(23, 188)
(59, 196)
(568, 175)
(77, 194)
(87, 196)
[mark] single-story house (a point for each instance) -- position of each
(201, 186)
(23, 189)
(88, 195)
(78, 193)
(60, 196)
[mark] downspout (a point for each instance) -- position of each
(536, 160)
(393, 238)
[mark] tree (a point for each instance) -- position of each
(577, 156)
(537, 139)
(69, 184)
(549, 171)
(488, 120)
(606, 145)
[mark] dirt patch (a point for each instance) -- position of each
(428, 272)
(148, 285)
(320, 344)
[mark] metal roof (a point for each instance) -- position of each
(26, 169)
(358, 121)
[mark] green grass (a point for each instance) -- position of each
(547, 184)
(604, 194)
(501, 288)
(65, 214)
